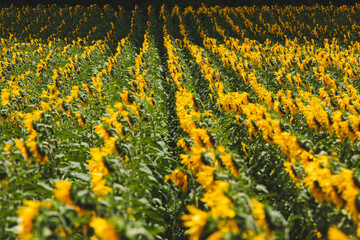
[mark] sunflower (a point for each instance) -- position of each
(103, 229)
(26, 214)
(195, 221)
(335, 234)
(180, 179)
(62, 192)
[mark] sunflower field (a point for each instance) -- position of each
(180, 122)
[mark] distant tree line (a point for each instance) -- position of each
(195, 3)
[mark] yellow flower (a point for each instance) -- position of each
(62, 192)
(39, 68)
(61, 231)
(290, 171)
(179, 178)
(335, 234)
(110, 146)
(103, 229)
(125, 95)
(96, 164)
(99, 129)
(220, 204)
(227, 161)
(98, 184)
(244, 148)
(318, 234)
(224, 227)
(205, 176)
(260, 216)
(5, 97)
(7, 147)
(259, 237)
(183, 144)
(45, 106)
(80, 119)
(34, 150)
(130, 215)
(218, 235)
(26, 214)
(150, 100)
(32, 135)
(97, 171)
(195, 221)
(30, 117)
(74, 93)
(21, 147)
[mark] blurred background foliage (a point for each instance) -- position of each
(157, 3)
